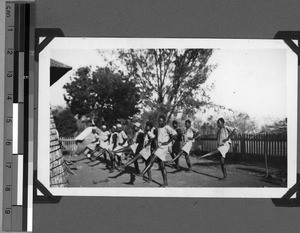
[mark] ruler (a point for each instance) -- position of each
(18, 125)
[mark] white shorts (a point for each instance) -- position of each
(109, 147)
(105, 145)
(146, 152)
(187, 147)
(92, 146)
(134, 147)
(224, 149)
(161, 152)
(118, 148)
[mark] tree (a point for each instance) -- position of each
(242, 122)
(171, 81)
(102, 94)
(279, 127)
(65, 122)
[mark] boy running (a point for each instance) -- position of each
(136, 147)
(121, 142)
(104, 143)
(94, 144)
(165, 135)
(189, 138)
(177, 145)
(148, 148)
(224, 136)
(112, 145)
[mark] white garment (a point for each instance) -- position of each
(189, 133)
(121, 138)
(146, 152)
(111, 142)
(223, 134)
(164, 135)
(224, 149)
(104, 135)
(136, 135)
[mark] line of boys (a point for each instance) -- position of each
(153, 144)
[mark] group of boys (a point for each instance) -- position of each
(154, 144)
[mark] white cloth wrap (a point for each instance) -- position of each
(224, 148)
(187, 146)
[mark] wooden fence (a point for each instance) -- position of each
(68, 143)
(244, 144)
(250, 144)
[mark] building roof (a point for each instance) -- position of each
(57, 70)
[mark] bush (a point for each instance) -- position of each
(65, 123)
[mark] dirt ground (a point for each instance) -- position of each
(206, 173)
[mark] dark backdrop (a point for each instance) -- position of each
(137, 18)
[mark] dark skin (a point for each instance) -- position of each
(103, 152)
(173, 154)
(187, 158)
(161, 124)
(111, 154)
(138, 156)
(115, 145)
(128, 150)
(220, 125)
(124, 141)
(96, 140)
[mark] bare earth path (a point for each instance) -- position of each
(206, 173)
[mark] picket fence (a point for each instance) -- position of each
(68, 143)
(244, 144)
(250, 144)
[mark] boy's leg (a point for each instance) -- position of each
(97, 149)
(112, 160)
(163, 172)
(135, 158)
(83, 151)
(173, 155)
(223, 167)
(105, 158)
(136, 166)
(119, 160)
(176, 157)
(152, 160)
(208, 154)
(122, 150)
(149, 171)
(132, 160)
(188, 162)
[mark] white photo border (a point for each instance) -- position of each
(43, 146)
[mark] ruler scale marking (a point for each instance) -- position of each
(9, 76)
(15, 52)
(19, 119)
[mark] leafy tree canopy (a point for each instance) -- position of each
(170, 81)
(102, 94)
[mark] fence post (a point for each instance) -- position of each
(243, 145)
(266, 154)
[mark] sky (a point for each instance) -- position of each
(247, 80)
(251, 81)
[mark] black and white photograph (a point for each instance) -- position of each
(167, 117)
